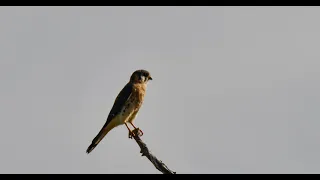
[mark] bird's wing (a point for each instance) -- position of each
(119, 103)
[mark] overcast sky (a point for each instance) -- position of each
(234, 90)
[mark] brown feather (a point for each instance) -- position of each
(121, 99)
(126, 105)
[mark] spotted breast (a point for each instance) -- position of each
(133, 104)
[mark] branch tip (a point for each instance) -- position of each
(153, 159)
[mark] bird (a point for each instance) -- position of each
(126, 106)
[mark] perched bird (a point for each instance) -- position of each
(126, 106)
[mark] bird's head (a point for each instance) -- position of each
(140, 76)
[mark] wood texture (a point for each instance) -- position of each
(153, 159)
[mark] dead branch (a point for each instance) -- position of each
(145, 152)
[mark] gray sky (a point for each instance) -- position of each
(235, 89)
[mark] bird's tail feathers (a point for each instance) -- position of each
(95, 141)
(91, 147)
(103, 132)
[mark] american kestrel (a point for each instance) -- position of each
(126, 106)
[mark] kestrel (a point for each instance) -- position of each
(126, 106)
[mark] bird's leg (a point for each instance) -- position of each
(136, 128)
(130, 132)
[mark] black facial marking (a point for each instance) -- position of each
(139, 74)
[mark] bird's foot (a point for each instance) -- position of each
(131, 134)
(138, 131)
(135, 132)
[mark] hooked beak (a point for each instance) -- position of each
(150, 78)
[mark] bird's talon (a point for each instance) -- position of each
(130, 135)
(141, 132)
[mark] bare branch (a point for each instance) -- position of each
(145, 152)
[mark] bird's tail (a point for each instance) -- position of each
(96, 140)
(103, 132)
(91, 147)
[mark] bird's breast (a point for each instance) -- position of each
(133, 104)
(138, 95)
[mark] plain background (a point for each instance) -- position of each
(235, 89)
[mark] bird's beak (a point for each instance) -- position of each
(150, 78)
